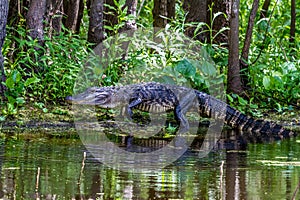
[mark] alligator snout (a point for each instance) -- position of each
(69, 99)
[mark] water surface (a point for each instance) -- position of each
(57, 169)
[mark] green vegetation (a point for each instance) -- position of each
(45, 75)
(275, 67)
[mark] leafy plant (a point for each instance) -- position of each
(15, 92)
(274, 62)
(41, 74)
(208, 28)
(46, 74)
(243, 105)
(120, 11)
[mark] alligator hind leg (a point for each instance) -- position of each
(185, 104)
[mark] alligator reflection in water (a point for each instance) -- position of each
(231, 171)
(229, 140)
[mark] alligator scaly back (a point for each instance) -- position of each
(158, 97)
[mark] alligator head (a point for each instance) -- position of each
(104, 97)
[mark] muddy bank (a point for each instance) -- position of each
(34, 127)
(59, 121)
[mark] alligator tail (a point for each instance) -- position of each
(245, 123)
(214, 108)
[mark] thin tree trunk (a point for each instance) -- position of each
(95, 33)
(293, 21)
(245, 52)
(265, 8)
(54, 15)
(159, 12)
(71, 9)
(131, 10)
(35, 17)
(3, 17)
(80, 15)
(130, 25)
(233, 77)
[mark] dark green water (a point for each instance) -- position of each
(234, 171)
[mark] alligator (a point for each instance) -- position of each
(159, 97)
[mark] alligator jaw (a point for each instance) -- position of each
(93, 96)
(81, 101)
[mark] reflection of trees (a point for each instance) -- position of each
(190, 177)
(59, 164)
(235, 176)
(2, 147)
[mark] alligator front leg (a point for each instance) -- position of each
(133, 104)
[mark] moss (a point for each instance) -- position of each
(58, 122)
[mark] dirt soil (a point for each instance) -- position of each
(59, 121)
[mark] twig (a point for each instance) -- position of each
(37, 182)
(81, 174)
(284, 53)
(140, 9)
(37, 179)
(82, 168)
(266, 32)
(221, 178)
(296, 190)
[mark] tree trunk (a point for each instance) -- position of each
(220, 22)
(234, 84)
(171, 9)
(95, 33)
(54, 15)
(80, 15)
(293, 21)
(196, 12)
(16, 9)
(265, 8)
(159, 11)
(3, 17)
(35, 17)
(245, 52)
(110, 16)
(131, 24)
(71, 9)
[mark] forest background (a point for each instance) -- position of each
(254, 45)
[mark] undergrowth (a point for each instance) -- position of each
(46, 74)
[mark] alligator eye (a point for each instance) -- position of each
(93, 90)
(102, 96)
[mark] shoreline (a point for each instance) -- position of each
(59, 119)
